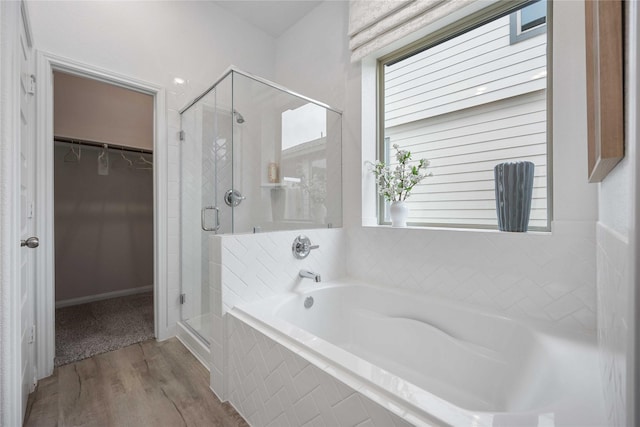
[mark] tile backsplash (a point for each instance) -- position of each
(548, 276)
(256, 266)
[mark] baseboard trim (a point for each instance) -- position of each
(166, 333)
(106, 295)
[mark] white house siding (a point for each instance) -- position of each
(463, 148)
(467, 105)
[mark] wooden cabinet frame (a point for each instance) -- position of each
(605, 99)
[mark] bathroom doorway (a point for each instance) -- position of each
(103, 217)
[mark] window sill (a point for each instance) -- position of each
(464, 230)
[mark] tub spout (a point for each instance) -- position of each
(310, 275)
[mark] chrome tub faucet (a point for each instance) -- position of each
(310, 275)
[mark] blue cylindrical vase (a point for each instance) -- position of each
(514, 188)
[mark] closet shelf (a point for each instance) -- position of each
(101, 144)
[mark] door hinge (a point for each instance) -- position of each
(183, 298)
(181, 135)
(31, 89)
(32, 334)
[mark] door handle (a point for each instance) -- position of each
(31, 242)
(202, 219)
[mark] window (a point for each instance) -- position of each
(530, 21)
(533, 15)
(466, 102)
(303, 124)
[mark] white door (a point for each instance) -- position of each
(27, 221)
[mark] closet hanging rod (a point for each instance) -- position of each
(101, 145)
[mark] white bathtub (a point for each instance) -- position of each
(438, 362)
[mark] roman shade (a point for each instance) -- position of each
(374, 24)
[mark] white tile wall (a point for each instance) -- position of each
(256, 266)
(613, 293)
(272, 386)
(249, 267)
(540, 276)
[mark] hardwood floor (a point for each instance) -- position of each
(147, 384)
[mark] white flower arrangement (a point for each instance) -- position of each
(395, 184)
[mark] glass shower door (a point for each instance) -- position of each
(206, 172)
(254, 158)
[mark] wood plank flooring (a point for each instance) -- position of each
(147, 384)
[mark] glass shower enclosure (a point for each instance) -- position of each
(255, 157)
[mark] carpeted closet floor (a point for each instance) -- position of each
(88, 329)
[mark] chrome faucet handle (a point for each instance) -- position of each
(233, 198)
(302, 246)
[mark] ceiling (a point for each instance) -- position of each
(272, 16)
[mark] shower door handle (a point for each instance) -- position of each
(202, 218)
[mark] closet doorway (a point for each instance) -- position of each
(103, 216)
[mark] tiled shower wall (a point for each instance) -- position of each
(533, 275)
(249, 267)
(256, 266)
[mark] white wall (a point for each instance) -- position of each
(615, 196)
(573, 198)
(152, 40)
(155, 42)
(312, 58)
(104, 225)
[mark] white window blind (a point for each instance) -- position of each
(374, 24)
(466, 105)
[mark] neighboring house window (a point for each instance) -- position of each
(466, 102)
(530, 21)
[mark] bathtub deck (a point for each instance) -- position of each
(146, 384)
